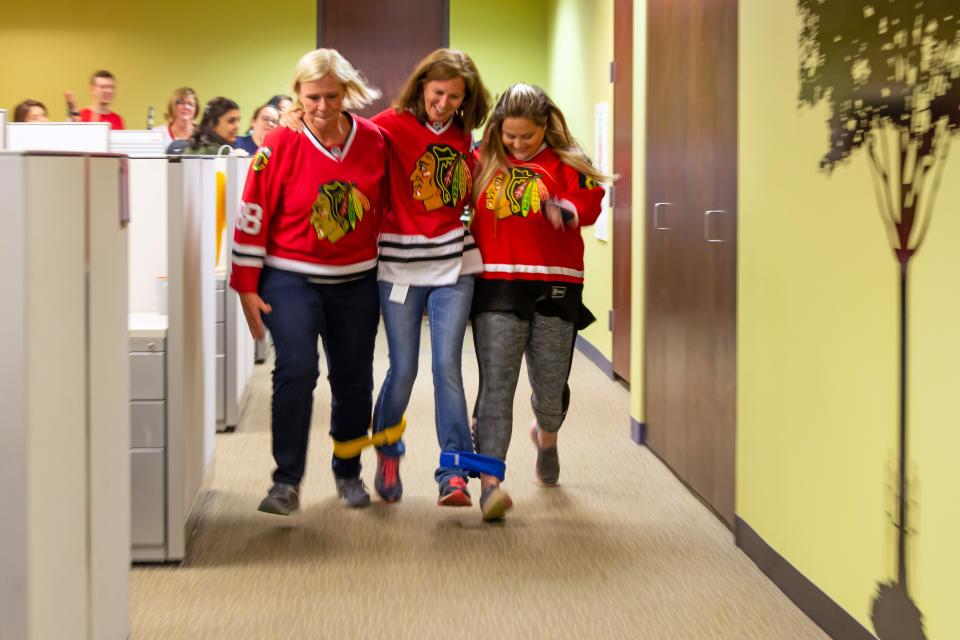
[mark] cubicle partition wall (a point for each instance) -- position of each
(81, 137)
(64, 532)
(138, 142)
(3, 129)
(191, 315)
(171, 351)
(240, 347)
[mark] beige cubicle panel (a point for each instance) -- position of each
(190, 347)
(172, 346)
(240, 348)
(109, 417)
(64, 534)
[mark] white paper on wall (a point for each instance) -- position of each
(601, 126)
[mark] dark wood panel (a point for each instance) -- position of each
(691, 267)
(665, 366)
(623, 167)
(384, 40)
(711, 164)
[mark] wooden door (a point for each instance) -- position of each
(623, 167)
(711, 161)
(383, 40)
(691, 284)
(665, 307)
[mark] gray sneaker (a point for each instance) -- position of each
(352, 492)
(282, 500)
(494, 503)
(548, 462)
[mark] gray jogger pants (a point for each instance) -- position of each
(502, 339)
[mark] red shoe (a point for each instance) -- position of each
(387, 481)
(454, 493)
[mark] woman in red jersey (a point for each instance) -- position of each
(427, 257)
(304, 265)
(535, 188)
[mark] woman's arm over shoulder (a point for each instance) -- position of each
(387, 121)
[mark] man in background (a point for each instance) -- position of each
(102, 88)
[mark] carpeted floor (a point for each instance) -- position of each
(619, 550)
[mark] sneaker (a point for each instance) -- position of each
(387, 481)
(282, 500)
(494, 503)
(548, 462)
(453, 493)
(352, 492)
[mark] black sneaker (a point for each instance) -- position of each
(387, 481)
(282, 500)
(352, 492)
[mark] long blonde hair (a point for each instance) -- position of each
(531, 102)
(447, 64)
(320, 62)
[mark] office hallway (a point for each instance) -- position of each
(619, 550)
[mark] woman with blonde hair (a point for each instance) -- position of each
(427, 257)
(535, 189)
(304, 266)
(181, 115)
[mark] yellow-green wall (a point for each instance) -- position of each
(817, 381)
(245, 50)
(580, 51)
(479, 29)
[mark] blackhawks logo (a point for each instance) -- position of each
(261, 159)
(441, 177)
(337, 210)
(516, 193)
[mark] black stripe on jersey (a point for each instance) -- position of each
(446, 256)
(241, 254)
(340, 277)
(420, 245)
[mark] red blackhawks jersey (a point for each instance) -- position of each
(310, 209)
(516, 239)
(423, 241)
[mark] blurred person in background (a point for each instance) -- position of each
(181, 116)
(103, 87)
(218, 128)
(30, 111)
(265, 120)
(281, 103)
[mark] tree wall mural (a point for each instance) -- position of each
(889, 73)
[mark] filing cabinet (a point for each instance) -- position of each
(148, 447)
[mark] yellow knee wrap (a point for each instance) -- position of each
(352, 448)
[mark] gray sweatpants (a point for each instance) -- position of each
(501, 341)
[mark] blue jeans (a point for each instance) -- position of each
(448, 309)
(345, 316)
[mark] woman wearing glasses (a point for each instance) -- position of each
(265, 120)
(181, 116)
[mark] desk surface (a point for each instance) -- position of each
(147, 325)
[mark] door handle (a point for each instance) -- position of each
(706, 225)
(656, 215)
